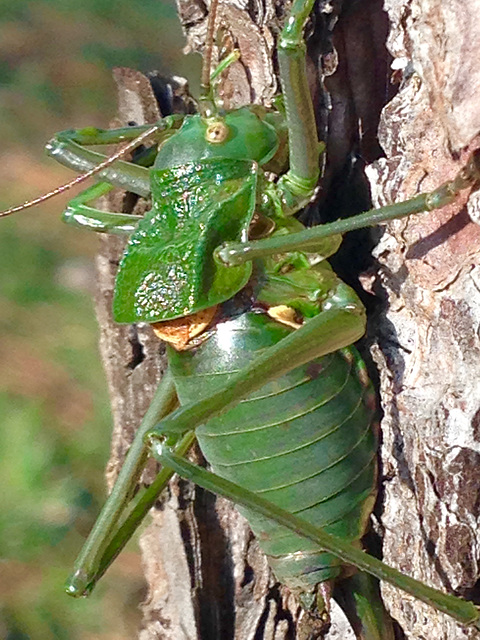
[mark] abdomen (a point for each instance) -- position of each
(305, 442)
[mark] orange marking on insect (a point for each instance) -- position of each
(181, 331)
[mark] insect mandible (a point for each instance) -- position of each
(294, 189)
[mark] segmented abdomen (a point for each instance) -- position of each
(303, 441)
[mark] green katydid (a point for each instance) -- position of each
(209, 171)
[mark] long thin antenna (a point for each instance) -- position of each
(207, 56)
(79, 179)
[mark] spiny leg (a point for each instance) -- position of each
(237, 253)
(89, 562)
(465, 612)
(129, 523)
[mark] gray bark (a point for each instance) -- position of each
(428, 342)
(206, 576)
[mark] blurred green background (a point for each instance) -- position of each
(55, 73)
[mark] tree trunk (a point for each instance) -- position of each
(427, 336)
(207, 578)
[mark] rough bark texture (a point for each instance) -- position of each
(428, 342)
(207, 578)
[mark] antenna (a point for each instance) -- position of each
(207, 56)
(79, 179)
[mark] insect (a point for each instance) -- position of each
(166, 276)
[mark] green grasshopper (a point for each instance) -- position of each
(261, 329)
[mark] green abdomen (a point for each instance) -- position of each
(304, 442)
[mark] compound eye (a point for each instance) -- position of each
(217, 132)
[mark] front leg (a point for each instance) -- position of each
(70, 149)
(79, 214)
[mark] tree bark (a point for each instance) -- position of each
(207, 578)
(427, 347)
